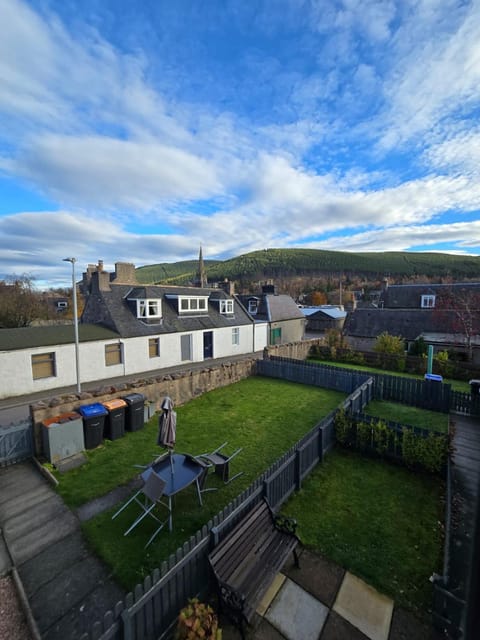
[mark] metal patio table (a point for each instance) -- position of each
(179, 471)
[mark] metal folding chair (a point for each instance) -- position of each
(221, 462)
(148, 497)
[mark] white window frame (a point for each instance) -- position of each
(149, 308)
(189, 304)
(253, 306)
(236, 336)
(226, 306)
(428, 301)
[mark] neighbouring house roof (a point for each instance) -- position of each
(331, 312)
(273, 307)
(409, 296)
(115, 309)
(407, 323)
(28, 337)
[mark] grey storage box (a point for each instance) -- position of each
(62, 436)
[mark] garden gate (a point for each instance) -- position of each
(16, 442)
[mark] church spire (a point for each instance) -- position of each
(201, 276)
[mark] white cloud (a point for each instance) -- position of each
(408, 237)
(439, 72)
(104, 172)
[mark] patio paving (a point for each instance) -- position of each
(364, 607)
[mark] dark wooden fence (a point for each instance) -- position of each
(319, 375)
(454, 368)
(151, 610)
(424, 394)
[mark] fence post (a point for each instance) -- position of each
(320, 445)
(298, 481)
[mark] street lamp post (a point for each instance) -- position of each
(75, 319)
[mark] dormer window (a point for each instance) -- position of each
(226, 306)
(428, 302)
(253, 306)
(190, 304)
(150, 308)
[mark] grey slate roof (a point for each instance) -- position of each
(409, 296)
(407, 323)
(273, 308)
(111, 309)
(27, 337)
(329, 312)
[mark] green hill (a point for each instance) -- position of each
(285, 263)
(171, 272)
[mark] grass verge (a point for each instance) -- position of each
(457, 385)
(422, 418)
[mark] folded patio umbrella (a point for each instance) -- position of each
(167, 425)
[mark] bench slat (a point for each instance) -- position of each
(250, 556)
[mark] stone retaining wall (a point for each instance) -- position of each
(296, 350)
(181, 387)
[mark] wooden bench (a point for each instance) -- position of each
(247, 560)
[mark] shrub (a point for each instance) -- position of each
(344, 429)
(416, 451)
(197, 621)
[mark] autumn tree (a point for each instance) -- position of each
(20, 303)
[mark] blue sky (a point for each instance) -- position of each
(136, 131)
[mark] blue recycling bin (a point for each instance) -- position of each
(93, 423)
(434, 377)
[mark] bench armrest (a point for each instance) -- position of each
(283, 523)
(232, 598)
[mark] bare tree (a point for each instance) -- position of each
(458, 312)
(20, 303)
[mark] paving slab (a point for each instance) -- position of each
(66, 591)
(98, 505)
(270, 594)
(317, 575)
(364, 607)
(296, 613)
(337, 628)
(52, 561)
(39, 538)
(84, 614)
(21, 523)
(5, 560)
(18, 482)
(72, 462)
(264, 631)
(16, 504)
(406, 626)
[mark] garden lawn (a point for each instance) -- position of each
(264, 416)
(422, 418)
(377, 520)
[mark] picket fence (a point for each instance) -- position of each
(151, 610)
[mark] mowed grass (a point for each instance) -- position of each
(422, 418)
(263, 416)
(457, 385)
(377, 520)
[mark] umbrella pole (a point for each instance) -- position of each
(171, 459)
